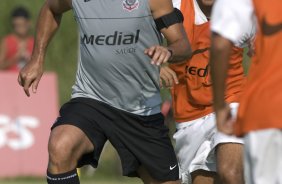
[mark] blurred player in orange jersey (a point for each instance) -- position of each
(201, 150)
(259, 115)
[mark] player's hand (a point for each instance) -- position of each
(31, 74)
(166, 106)
(168, 77)
(158, 54)
(225, 121)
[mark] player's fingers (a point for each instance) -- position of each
(150, 51)
(227, 124)
(26, 86)
(224, 128)
(35, 85)
(168, 55)
(162, 58)
(229, 129)
(168, 79)
(146, 51)
(155, 58)
(174, 76)
(20, 80)
(168, 83)
(161, 83)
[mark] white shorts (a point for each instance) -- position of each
(196, 141)
(263, 157)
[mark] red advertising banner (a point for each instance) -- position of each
(25, 125)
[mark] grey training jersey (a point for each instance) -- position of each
(113, 67)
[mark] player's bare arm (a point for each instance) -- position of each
(47, 25)
(219, 61)
(178, 45)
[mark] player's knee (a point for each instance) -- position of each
(61, 150)
(230, 175)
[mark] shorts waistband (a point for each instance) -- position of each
(180, 125)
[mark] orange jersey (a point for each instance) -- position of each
(261, 103)
(192, 97)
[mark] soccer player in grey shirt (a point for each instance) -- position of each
(116, 95)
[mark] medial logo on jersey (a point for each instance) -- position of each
(130, 5)
(117, 38)
(127, 41)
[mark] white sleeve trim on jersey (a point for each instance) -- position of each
(176, 4)
(234, 20)
(200, 17)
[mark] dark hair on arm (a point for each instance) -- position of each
(20, 12)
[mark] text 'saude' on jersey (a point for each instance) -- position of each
(113, 67)
(192, 97)
(261, 101)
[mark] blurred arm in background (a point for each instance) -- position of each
(239, 29)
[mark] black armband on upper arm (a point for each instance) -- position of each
(169, 19)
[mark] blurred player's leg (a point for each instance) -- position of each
(66, 146)
(230, 163)
(263, 155)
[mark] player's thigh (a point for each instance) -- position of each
(69, 139)
(204, 177)
(192, 153)
(230, 157)
(147, 179)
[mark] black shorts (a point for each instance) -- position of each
(139, 140)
